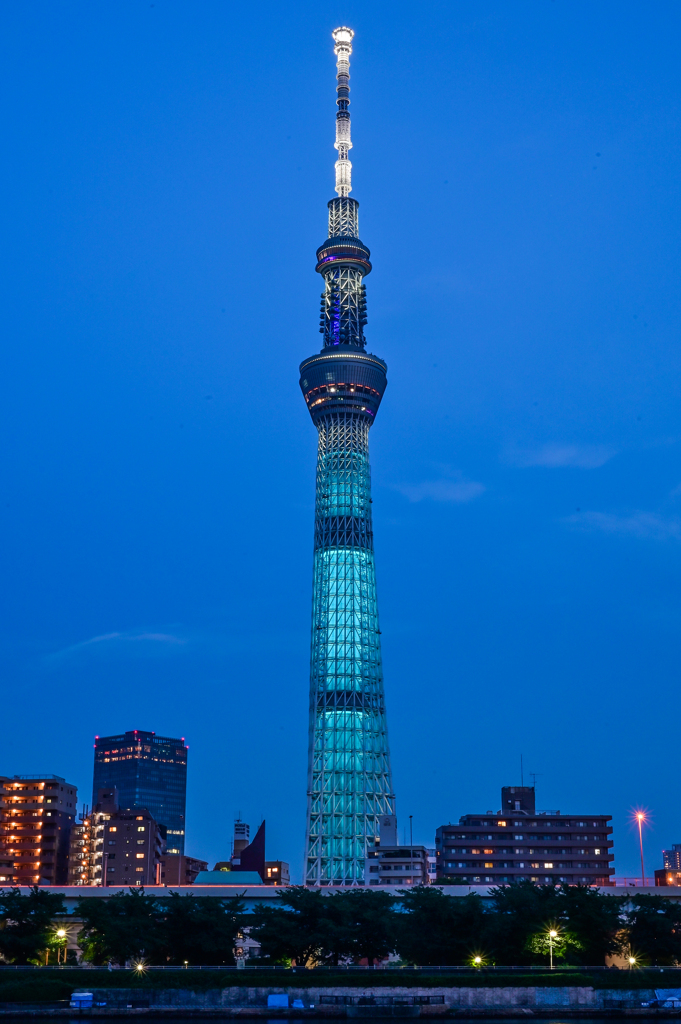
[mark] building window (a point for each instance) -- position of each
(139, 856)
(489, 864)
(112, 828)
(548, 864)
(140, 828)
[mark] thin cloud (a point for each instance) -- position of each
(458, 491)
(553, 456)
(118, 642)
(648, 525)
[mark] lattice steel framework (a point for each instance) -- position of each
(349, 777)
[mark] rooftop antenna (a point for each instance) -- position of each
(534, 776)
(342, 37)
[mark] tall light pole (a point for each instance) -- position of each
(640, 817)
(553, 934)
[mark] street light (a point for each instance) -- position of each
(61, 934)
(632, 961)
(553, 934)
(640, 818)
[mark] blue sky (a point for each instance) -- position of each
(167, 167)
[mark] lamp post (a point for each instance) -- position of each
(632, 961)
(61, 934)
(640, 818)
(553, 934)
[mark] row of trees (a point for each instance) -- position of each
(306, 927)
(426, 928)
(172, 930)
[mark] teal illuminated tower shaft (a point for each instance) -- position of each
(349, 777)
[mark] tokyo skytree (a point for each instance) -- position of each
(349, 776)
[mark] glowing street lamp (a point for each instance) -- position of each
(61, 935)
(553, 935)
(632, 961)
(640, 818)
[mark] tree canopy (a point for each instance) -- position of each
(27, 924)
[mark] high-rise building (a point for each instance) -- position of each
(148, 771)
(672, 858)
(349, 776)
(520, 843)
(37, 813)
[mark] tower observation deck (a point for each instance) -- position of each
(349, 776)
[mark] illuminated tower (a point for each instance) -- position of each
(349, 777)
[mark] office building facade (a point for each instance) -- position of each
(148, 771)
(37, 814)
(520, 843)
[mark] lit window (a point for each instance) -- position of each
(548, 864)
(112, 828)
(488, 851)
(139, 817)
(140, 828)
(139, 869)
(489, 865)
(502, 823)
(139, 856)
(597, 852)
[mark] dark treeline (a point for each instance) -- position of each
(127, 926)
(426, 928)
(308, 927)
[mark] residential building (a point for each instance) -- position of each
(129, 846)
(672, 858)
(82, 851)
(519, 843)
(397, 865)
(277, 873)
(148, 771)
(37, 813)
(176, 869)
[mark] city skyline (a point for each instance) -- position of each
(518, 172)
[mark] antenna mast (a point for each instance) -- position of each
(342, 37)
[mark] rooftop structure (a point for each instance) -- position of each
(349, 777)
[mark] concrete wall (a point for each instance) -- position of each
(530, 997)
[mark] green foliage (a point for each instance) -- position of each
(297, 929)
(26, 924)
(312, 928)
(588, 924)
(196, 930)
(654, 929)
(117, 928)
(593, 924)
(437, 930)
(367, 919)
(159, 930)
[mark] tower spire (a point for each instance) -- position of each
(349, 786)
(342, 37)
